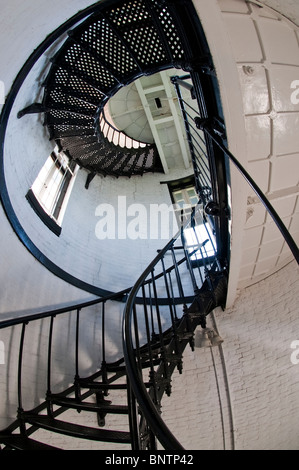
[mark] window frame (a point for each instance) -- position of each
(181, 214)
(66, 167)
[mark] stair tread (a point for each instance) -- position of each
(101, 385)
(19, 442)
(79, 431)
(88, 406)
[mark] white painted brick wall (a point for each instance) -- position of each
(263, 383)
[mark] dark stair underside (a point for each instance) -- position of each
(112, 48)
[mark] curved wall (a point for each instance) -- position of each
(255, 51)
(245, 396)
(23, 27)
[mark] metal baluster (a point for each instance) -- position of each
(133, 419)
(104, 364)
(150, 352)
(49, 392)
(20, 366)
(172, 296)
(190, 268)
(177, 347)
(136, 331)
(200, 245)
(161, 337)
(77, 378)
(187, 127)
(178, 277)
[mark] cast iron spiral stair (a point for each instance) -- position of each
(91, 394)
(118, 43)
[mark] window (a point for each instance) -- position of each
(184, 197)
(184, 201)
(199, 238)
(50, 191)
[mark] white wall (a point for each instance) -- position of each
(255, 52)
(23, 27)
(261, 379)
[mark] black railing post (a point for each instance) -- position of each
(104, 364)
(20, 369)
(77, 375)
(133, 419)
(173, 322)
(150, 352)
(49, 391)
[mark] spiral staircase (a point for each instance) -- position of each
(110, 46)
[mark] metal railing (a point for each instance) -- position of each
(159, 333)
(163, 299)
(211, 129)
(209, 292)
(209, 162)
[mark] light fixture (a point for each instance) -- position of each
(215, 338)
(207, 337)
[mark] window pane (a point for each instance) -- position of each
(202, 237)
(193, 198)
(179, 198)
(51, 184)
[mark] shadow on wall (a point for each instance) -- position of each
(34, 380)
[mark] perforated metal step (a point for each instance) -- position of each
(78, 431)
(110, 49)
(19, 442)
(103, 406)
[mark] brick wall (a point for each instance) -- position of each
(263, 383)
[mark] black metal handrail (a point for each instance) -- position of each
(153, 417)
(179, 329)
(170, 299)
(120, 296)
(208, 160)
(210, 128)
(4, 118)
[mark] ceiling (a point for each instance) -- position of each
(148, 111)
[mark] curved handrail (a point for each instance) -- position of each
(4, 118)
(120, 296)
(151, 413)
(129, 327)
(207, 126)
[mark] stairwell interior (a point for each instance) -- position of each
(102, 317)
